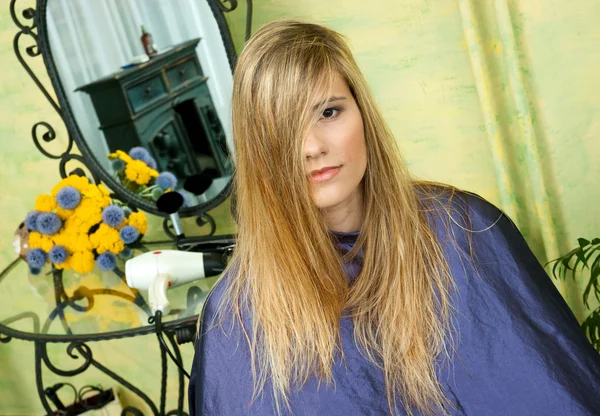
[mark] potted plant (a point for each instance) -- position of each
(584, 260)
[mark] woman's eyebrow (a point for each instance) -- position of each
(330, 100)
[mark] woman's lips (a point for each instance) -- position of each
(324, 174)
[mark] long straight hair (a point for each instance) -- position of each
(286, 268)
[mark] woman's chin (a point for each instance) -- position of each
(329, 198)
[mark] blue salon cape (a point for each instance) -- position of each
(520, 350)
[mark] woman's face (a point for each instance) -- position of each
(335, 152)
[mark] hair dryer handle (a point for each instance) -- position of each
(157, 294)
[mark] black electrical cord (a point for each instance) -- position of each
(86, 390)
(50, 392)
(157, 321)
(79, 397)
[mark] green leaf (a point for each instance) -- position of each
(580, 258)
(565, 262)
(591, 327)
(583, 242)
(592, 283)
(589, 255)
(596, 241)
(556, 264)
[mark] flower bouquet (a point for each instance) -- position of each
(78, 226)
(137, 172)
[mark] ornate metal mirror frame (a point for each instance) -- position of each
(34, 27)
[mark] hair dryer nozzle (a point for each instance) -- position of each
(156, 271)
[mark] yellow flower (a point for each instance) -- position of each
(63, 213)
(39, 240)
(139, 221)
(73, 240)
(119, 154)
(82, 241)
(80, 183)
(107, 239)
(138, 172)
(47, 243)
(97, 196)
(63, 266)
(35, 239)
(82, 262)
(45, 203)
(105, 191)
(123, 224)
(87, 214)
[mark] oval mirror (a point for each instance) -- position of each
(144, 88)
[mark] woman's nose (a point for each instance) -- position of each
(314, 146)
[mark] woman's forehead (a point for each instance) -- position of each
(333, 88)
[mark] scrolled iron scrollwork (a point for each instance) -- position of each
(131, 411)
(227, 5)
(79, 350)
(34, 318)
(33, 51)
(180, 397)
(47, 137)
(4, 339)
(67, 157)
(84, 351)
(28, 13)
(121, 381)
(201, 220)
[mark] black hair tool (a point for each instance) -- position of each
(198, 184)
(170, 203)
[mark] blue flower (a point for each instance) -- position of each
(36, 258)
(127, 211)
(166, 180)
(118, 165)
(34, 270)
(129, 234)
(126, 253)
(106, 261)
(68, 197)
(113, 215)
(139, 153)
(31, 220)
(48, 223)
(58, 254)
(151, 162)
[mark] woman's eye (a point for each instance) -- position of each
(330, 113)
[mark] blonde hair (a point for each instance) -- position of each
(286, 268)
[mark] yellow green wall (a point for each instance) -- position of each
(497, 97)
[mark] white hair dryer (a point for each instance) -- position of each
(156, 271)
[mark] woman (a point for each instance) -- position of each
(354, 289)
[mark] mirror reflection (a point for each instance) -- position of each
(149, 84)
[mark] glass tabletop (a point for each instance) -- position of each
(64, 306)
